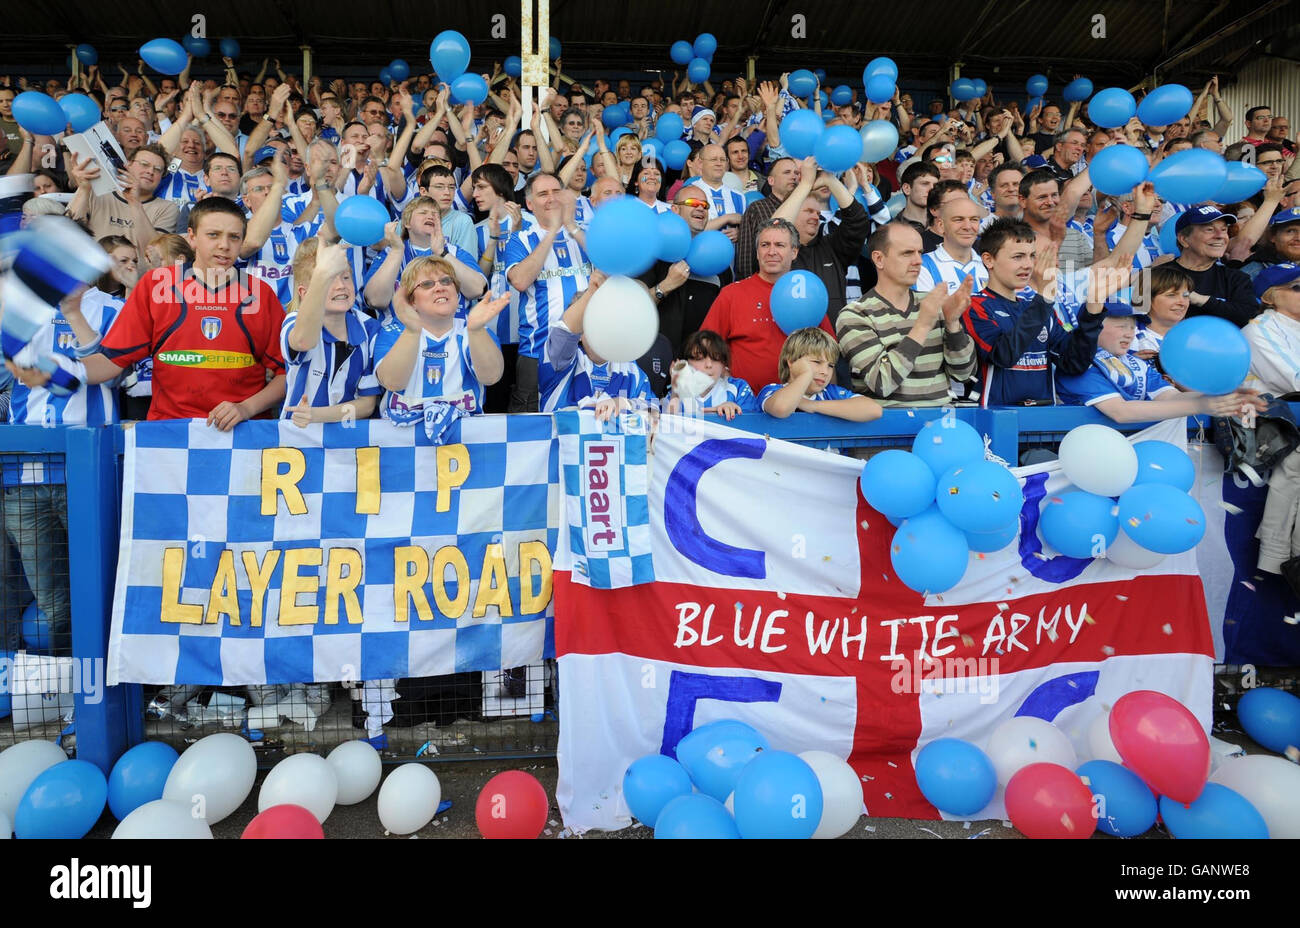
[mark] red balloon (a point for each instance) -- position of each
(1161, 741)
(1050, 801)
(286, 821)
(513, 804)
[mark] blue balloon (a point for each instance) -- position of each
(1127, 807)
(1206, 354)
(652, 147)
(1244, 181)
(514, 66)
(705, 45)
(1218, 812)
(139, 777)
(229, 48)
(879, 140)
(399, 69)
(1036, 86)
(842, 95)
(962, 89)
(798, 299)
(197, 46)
(449, 54)
(670, 127)
(1077, 523)
(897, 484)
(820, 74)
(777, 796)
(1117, 169)
(714, 754)
(929, 553)
(676, 152)
(6, 685)
(880, 89)
(1193, 175)
(651, 783)
(955, 776)
(360, 220)
(165, 56)
(1165, 105)
(469, 88)
(838, 148)
(1169, 236)
(711, 253)
(1112, 107)
(674, 237)
(1271, 717)
(1161, 462)
(614, 116)
(698, 70)
(37, 633)
(802, 83)
(554, 48)
(1033, 102)
(38, 113)
(880, 66)
(1161, 518)
(64, 801)
(1077, 90)
(695, 816)
(80, 111)
(948, 443)
(980, 496)
(623, 237)
(681, 52)
(981, 88)
(752, 197)
(386, 78)
(799, 133)
(987, 542)
(87, 55)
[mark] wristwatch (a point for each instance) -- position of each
(659, 295)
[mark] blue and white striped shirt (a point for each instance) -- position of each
(87, 405)
(564, 275)
(723, 201)
(410, 253)
(274, 261)
(334, 371)
(1148, 249)
(730, 390)
(507, 326)
(180, 186)
(444, 372)
(567, 377)
(938, 266)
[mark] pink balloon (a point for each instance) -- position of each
(1162, 742)
(286, 821)
(1050, 801)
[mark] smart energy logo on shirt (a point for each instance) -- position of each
(209, 360)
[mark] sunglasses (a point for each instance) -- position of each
(431, 283)
(117, 109)
(693, 203)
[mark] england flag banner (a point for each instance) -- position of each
(774, 602)
(342, 551)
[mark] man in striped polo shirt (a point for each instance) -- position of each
(903, 352)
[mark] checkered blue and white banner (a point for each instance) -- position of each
(349, 551)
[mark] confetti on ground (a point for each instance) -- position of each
(780, 596)
(1006, 824)
(979, 834)
(1231, 509)
(1107, 650)
(865, 525)
(870, 828)
(1248, 585)
(866, 778)
(892, 764)
(931, 831)
(1167, 629)
(966, 825)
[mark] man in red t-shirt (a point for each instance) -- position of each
(742, 312)
(213, 334)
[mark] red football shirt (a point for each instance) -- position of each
(742, 315)
(208, 346)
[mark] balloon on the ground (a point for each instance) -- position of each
(1036, 86)
(669, 127)
(1272, 717)
(1099, 743)
(651, 782)
(929, 553)
(1023, 740)
(86, 54)
(698, 70)
(80, 111)
(399, 69)
(409, 799)
(955, 776)
(799, 133)
(841, 793)
(879, 140)
(988, 542)
(838, 148)
(1162, 742)
(285, 821)
(777, 795)
(513, 804)
(714, 754)
(675, 153)
(1098, 459)
(1206, 354)
(674, 237)
(1164, 105)
(19, 766)
(681, 52)
(229, 48)
(1271, 785)
(1046, 800)
(166, 56)
(1077, 90)
(710, 253)
(163, 818)
(1079, 524)
(799, 298)
(64, 801)
(357, 768)
(1125, 552)
(947, 443)
(1127, 808)
(215, 773)
(514, 66)
(1218, 812)
(1117, 169)
(306, 780)
(801, 83)
(622, 238)
(469, 88)
(1189, 176)
(1163, 462)
(880, 66)
(449, 54)
(621, 323)
(1242, 183)
(139, 776)
(1161, 518)
(880, 89)
(897, 484)
(696, 817)
(360, 220)
(1112, 107)
(980, 496)
(39, 113)
(705, 45)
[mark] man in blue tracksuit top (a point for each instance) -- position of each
(1020, 341)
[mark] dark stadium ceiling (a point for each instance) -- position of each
(1001, 41)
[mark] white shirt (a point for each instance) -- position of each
(1274, 353)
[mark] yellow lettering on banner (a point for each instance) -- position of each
(532, 600)
(223, 598)
(408, 585)
(493, 584)
(273, 481)
(173, 610)
(291, 584)
(450, 555)
(259, 578)
(339, 584)
(448, 477)
(368, 481)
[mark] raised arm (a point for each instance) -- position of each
(513, 115)
(331, 261)
(267, 216)
(1254, 227)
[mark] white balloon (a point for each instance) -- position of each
(163, 818)
(1098, 459)
(216, 772)
(1270, 784)
(357, 768)
(1126, 552)
(1023, 740)
(841, 793)
(409, 799)
(306, 780)
(6, 827)
(1099, 742)
(19, 766)
(621, 322)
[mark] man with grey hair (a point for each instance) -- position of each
(1066, 152)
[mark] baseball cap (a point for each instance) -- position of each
(1286, 217)
(1199, 216)
(1275, 275)
(1118, 308)
(265, 153)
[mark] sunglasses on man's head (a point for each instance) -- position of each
(693, 203)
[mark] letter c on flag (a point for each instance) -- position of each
(682, 522)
